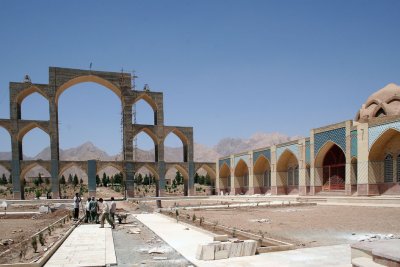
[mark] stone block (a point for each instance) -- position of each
(44, 209)
(205, 252)
(222, 254)
(236, 250)
(249, 248)
(222, 238)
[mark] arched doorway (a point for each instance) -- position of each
(93, 122)
(330, 168)
(384, 164)
(241, 180)
(176, 181)
(109, 182)
(146, 182)
(175, 147)
(204, 181)
(262, 176)
(35, 182)
(145, 147)
(334, 169)
(287, 171)
(224, 179)
(73, 179)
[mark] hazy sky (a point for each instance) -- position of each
(227, 68)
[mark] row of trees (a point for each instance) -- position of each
(202, 180)
(106, 180)
(148, 179)
(72, 180)
(115, 179)
(39, 180)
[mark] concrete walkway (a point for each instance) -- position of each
(186, 241)
(88, 245)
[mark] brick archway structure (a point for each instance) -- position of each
(60, 79)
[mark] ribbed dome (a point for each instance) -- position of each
(385, 102)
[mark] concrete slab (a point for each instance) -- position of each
(186, 242)
(88, 245)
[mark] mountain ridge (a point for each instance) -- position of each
(202, 153)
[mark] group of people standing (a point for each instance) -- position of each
(97, 211)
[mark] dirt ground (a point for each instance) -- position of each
(21, 227)
(310, 226)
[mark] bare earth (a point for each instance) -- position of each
(310, 226)
(21, 227)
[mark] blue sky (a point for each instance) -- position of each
(227, 68)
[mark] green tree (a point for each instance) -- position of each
(146, 180)
(118, 178)
(97, 180)
(62, 180)
(76, 180)
(201, 179)
(104, 179)
(81, 181)
(196, 178)
(178, 178)
(10, 179)
(3, 179)
(139, 179)
(70, 180)
(40, 179)
(207, 180)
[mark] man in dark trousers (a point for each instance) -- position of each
(77, 200)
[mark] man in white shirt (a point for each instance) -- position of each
(113, 209)
(105, 214)
(77, 200)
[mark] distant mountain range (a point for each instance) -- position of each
(204, 153)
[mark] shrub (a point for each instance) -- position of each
(194, 217)
(38, 193)
(41, 239)
(201, 220)
(34, 243)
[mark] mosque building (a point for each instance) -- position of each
(359, 157)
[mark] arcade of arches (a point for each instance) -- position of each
(61, 79)
(358, 157)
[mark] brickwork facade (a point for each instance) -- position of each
(60, 79)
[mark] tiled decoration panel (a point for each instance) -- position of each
(294, 148)
(266, 153)
(375, 132)
(337, 136)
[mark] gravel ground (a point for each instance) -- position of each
(133, 249)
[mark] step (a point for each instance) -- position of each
(364, 262)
